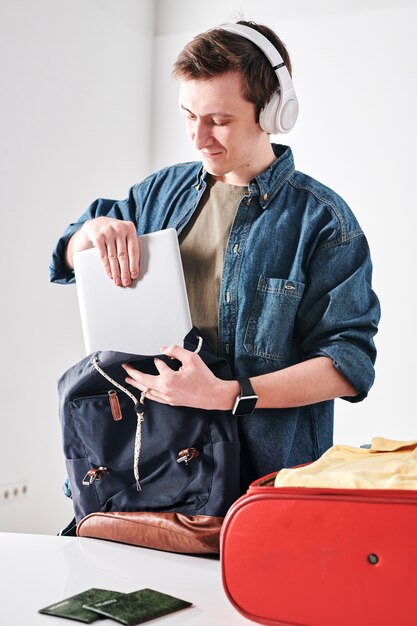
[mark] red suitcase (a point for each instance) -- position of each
(322, 557)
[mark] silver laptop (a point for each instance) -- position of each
(139, 319)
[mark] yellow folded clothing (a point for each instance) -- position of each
(387, 464)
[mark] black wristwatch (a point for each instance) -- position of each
(246, 401)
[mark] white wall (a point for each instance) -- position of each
(74, 125)
(355, 74)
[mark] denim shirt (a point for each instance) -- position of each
(296, 284)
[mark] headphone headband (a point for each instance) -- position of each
(280, 113)
(258, 39)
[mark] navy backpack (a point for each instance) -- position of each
(135, 465)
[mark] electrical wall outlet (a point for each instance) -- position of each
(13, 491)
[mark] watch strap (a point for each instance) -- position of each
(246, 388)
(245, 402)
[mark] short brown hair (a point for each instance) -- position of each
(218, 51)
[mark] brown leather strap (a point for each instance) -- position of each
(116, 411)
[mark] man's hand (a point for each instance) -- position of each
(193, 385)
(117, 244)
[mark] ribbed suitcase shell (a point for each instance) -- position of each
(322, 557)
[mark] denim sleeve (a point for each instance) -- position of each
(123, 210)
(339, 313)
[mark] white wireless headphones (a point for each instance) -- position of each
(280, 113)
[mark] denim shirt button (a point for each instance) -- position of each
(290, 287)
(265, 196)
(228, 297)
(236, 248)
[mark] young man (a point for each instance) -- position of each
(278, 270)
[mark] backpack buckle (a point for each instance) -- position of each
(94, 474)
(186, 455)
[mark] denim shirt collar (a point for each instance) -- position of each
(266, 184)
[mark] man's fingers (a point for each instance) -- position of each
(119, 262)
(113, 261)
(139, 379)
(162, 367)
(149, 383)
(102, 250)
(176, 352)
(123, 261)
(117, 243)
(133, 254)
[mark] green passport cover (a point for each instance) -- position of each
(138, 607)
(73, 607)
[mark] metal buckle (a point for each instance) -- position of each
(94, 474)
(186, 455)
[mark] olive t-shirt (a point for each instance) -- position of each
(203, 243)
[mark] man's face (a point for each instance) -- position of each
(223, 128)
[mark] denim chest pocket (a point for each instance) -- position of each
(270, 328)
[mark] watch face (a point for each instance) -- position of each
(245, 405)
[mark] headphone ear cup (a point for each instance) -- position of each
(279, 117)
(268, 115)
(280, 113)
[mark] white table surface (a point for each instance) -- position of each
(39, 570)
